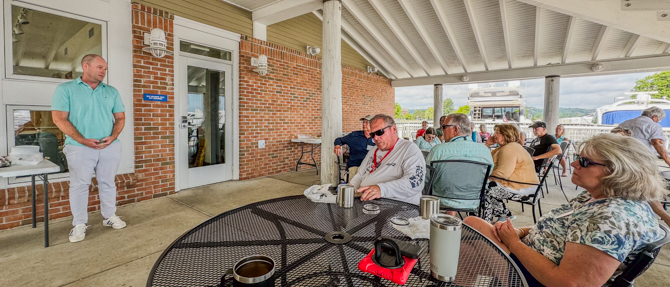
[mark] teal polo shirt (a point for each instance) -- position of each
(91, 111)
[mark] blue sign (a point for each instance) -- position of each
(155, 98)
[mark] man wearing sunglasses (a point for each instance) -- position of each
(395, 168)
(359, 142)
(542, 143)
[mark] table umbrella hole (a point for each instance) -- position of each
(338, 237)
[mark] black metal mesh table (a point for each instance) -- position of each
(291, 230)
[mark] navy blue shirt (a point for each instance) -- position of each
(358, 146)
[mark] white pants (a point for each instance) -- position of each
(83, 162)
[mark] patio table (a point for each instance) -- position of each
(292, 231)
(314, 144)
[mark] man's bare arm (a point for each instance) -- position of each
(555, 150)
(119, 123)
(660, 148)
(61, 120)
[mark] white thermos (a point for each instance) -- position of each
(445, 245)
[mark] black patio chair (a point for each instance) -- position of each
(532, 199)
(640, 264)
(565, 146)
(463, 180)
(430, 175)
(530, 150)
(341, 161)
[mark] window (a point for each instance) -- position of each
(204, 51)
(48, 45)
(34, 126)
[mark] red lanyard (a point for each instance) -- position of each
(375, 163)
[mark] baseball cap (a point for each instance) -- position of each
(367, 118)
(538, 124)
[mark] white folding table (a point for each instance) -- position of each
(312, 141)
(40, 170)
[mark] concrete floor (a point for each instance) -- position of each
(125, 257)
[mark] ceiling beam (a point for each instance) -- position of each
(538, 12)
(667, 50)
(609, 13)
(450, 33)
(599, 43)
(508, 46)
(355, 11)
(398, 32)
(568, 38)
(610, 67)
(423, 32)
(475, 30)
(356, 40)
(57, 42)
(631, 46)
(284, 10)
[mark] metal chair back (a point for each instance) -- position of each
(459, 180)
(641, 263)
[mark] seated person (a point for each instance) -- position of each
(359, 142)
(511, 161)
(428, 140)
(424, 126)
(584, 242)
(458, 145)
(483, 133)
(476, 137)
(542, 143)
(560, 137)
(395, 168)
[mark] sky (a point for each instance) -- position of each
(578, 92)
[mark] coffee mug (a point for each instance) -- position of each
(255, 270)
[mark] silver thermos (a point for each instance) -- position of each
(445, 245)
(345, 195)
(429, 205)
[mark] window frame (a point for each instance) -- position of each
(9, 48)
(11, 140)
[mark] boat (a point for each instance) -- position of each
(627, 109)
(497, 103)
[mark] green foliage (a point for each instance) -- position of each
(398, 111)
(535, 114)
(429, 114)
(656, 82)
(463, 110)
(447, 106)
(408, 116)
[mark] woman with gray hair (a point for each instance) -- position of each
(584, 241)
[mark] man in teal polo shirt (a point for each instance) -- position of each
(91, 115)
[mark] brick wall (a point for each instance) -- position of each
(287, 102)
(154, 137)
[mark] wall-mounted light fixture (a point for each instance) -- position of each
(17, 30)
(14, 38)
(261, 64)
(597, 67)
(157, 43)
(313, 50)
(22, 17)
(372, 69)
(465, 78)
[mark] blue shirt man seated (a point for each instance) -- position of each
(458, 145)
(359, 142)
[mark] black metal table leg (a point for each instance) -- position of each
(45, 183)
(302, 152)
(32, 177)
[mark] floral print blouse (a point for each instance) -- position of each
(614, 225)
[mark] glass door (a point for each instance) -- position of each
(205, 131)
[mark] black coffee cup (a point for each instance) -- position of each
(255, 270)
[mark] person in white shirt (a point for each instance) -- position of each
(395, 168)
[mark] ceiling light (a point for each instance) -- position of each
(597, 67)
(22, 18)
(372, 69)
(17, 30)
(465, 78)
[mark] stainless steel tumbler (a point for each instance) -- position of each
(445, 246)
(429, 205)
(345, 195)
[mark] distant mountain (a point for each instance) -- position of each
(537, 113)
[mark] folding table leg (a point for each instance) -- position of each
(32, 177)
(45, 183)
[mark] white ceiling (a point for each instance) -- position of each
(437, 41)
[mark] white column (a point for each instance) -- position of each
(331, 83)
(437, 105)
(551, 92)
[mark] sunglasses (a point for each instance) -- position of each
(380, 132)
(585, 162)
(446, 126)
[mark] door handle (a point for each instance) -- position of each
(184, 122)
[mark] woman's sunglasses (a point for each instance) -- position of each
(380, 132)
(585, 162)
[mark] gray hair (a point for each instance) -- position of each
(462, 122)
(622, 130)
(631, 167)
(388, 120)
(654, 111)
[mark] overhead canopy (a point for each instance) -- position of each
(453, 41)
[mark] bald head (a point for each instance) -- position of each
(89, 58)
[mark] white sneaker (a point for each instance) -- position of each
(114, 221)
(78, 233)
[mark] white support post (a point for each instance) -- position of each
(551, 92)
(331, 86)
(437, 105)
